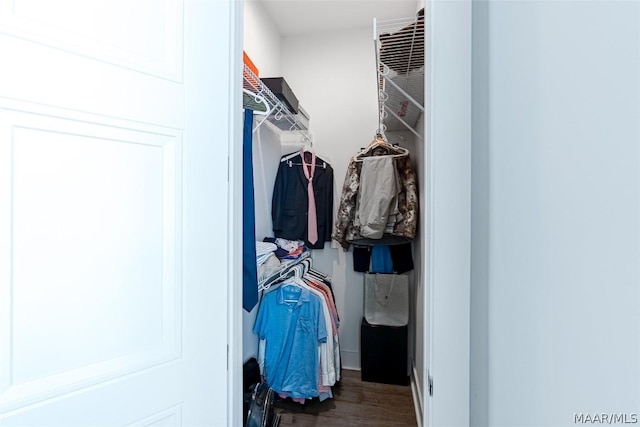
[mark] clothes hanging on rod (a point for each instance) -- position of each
(291, 319)
(297, 325)
(302, 203)
(379, 200)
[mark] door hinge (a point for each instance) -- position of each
(430, 381)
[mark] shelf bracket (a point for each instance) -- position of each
(402, 91)
(404, 123)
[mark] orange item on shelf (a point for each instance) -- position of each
(249, 63)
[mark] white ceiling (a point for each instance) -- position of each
(296, 17)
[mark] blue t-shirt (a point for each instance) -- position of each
(291, 321)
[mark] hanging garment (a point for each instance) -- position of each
(249, 266)
(361, 258)
(291, 321)
(381, 261)
(377, 199)
(401, 257)
(328, 351)
(290, 203)
(346, 231)
(327, 372)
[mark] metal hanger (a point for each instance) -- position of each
(308, 148)
(380, 141)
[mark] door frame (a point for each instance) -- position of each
(234, 244)
(448, 223)
(447, 229)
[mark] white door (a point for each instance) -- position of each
(114, 121)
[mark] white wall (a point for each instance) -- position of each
(333, 75)
(262, 41)
(556, 217)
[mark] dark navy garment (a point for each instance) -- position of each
(249, 265)
(361, 258)
(291, 321)
(401, 257)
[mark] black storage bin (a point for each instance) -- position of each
(282, 91)
(383, 353)
(250, 376)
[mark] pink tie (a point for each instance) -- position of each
(312, 221)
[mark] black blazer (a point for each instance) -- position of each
(289, 205)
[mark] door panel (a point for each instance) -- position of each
(145, 35)
(171, 417)
(70, 77)
(113, 200)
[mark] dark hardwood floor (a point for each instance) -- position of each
(355, 403)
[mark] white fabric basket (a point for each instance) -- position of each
(386, 299)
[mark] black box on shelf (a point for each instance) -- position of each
(383, 353)
(283, 91)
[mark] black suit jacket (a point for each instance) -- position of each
(290, 202)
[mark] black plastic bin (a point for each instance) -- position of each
(383, 353)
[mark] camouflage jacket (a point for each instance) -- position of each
(346, 232)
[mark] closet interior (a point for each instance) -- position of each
(333, 97)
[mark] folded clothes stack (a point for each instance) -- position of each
(264, 251)
(287, 249)
(266, 259)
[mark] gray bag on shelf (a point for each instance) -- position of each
(386, 299)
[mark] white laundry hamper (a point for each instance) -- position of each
(386, 299)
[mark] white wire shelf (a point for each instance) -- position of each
(399, 49)
(277, 112)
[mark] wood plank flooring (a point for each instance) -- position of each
(355, 403)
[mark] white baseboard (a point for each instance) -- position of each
(350, 359)
(416, 392)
